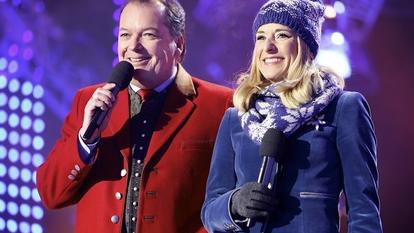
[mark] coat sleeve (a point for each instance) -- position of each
(60, 177)
(221, 183)
(356, 143)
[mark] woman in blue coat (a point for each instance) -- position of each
(330, 144)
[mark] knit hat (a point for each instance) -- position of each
(305, 17)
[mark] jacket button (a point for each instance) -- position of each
(118, 195)
(123, 172)
(114, 219)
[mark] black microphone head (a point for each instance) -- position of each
(272, 143)
(122, 74)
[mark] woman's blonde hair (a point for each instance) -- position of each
(302, 79)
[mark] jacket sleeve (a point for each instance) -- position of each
(60, 177)
(221, 183)
(356, 143)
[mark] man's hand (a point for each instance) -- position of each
(104, 99)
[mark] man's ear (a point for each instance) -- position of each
(180, 51)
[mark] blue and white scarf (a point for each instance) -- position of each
(269, 111)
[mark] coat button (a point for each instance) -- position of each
(114, 219)
(123, 172)
(118, 195)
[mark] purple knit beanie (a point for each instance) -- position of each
(305, 17)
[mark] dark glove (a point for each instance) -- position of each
(253, 200)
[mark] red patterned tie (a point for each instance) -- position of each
(146, 94)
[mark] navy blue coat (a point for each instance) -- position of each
(319, 163)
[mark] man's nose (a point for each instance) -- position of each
(135, 44)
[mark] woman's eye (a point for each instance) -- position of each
(260, 37)
(282, 35)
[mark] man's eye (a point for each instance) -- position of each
(150, 35)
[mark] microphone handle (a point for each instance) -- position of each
(273, 188)
(265, 175)
(97, 118)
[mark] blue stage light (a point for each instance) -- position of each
(13, 155)
(37, 212)
(35, 195)
(2, 185)
(3, 116)
(14, 138)
(3, 63)
(25, 140)
(38, 143)
(25, 193)
(13, 67)
(14, 85)
(25, 210)
(3, 81)
(3, 99)
(27, 88)
(38, 91)
(11, 225)
(26, 122)
(14, 120)
(38, 126)
(3, 171)
(37, 159)
(3, 152)
(3, 134)
(25, 175)
(2, 206)
(12, 208)
(26, 105)
(24, 227)
(38, 108)
(14, 175)
(36, 228)
(14, 103)
(25, 157)
(12, 190)
(2, 224)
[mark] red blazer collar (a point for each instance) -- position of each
(177, 108)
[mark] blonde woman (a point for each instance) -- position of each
(330, 144)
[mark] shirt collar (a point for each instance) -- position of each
(163, 85)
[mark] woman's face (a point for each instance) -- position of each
(275, 48)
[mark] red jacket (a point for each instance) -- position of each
(176, 165)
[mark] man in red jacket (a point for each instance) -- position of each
(144, 169)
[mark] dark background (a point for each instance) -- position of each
(73, 41)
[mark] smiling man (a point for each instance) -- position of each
(145, 168)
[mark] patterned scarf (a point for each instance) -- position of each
(269, 112)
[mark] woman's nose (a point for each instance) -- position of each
(270, 46)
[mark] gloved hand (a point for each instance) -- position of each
(253, 200)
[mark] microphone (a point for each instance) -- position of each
(271, 150)
(121, 75)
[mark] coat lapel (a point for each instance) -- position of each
(119, 123)
(177, 109)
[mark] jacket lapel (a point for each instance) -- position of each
(119, 123)
(177, 109)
